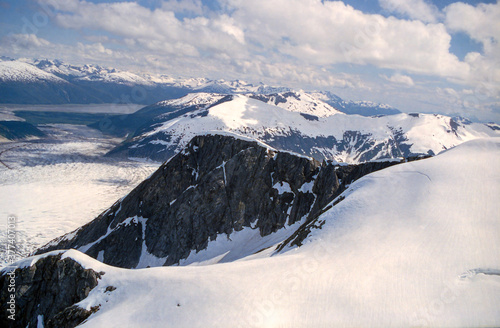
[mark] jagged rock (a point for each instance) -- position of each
(217, 185)
(48, 289)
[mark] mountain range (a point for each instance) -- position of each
(43, 81)
(268, 207)
(292, 121)
(258, 236)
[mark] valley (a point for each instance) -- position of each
(228, 204)
(58, 182)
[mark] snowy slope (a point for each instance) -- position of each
(119, 77)
(364, 108)
(16, 71)
(344, 138)
(193, 99)
(90, 73)
(59, 68)
(299, 102)
(413, 245)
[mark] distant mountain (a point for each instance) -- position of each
(144, 119)
(26, 84)
(300, 102)
(43, 81)
(364, 108)
(54, 82)
(291, 126)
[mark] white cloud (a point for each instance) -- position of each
(93, 49)
(290, 42)
(29, 45)
(414, 9)
(399, 79)
(331, 32)
(157, 30)
(481, 23)
(311, 32)
(24, 41)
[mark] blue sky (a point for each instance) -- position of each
(417, 55)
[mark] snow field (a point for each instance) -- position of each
(416, 244)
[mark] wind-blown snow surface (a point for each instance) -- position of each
(417, 244)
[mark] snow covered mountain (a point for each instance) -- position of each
(90, 73)
(97, 84)
(382, 253)
(364, 108)
(16, 71)
(300, 102)
(26, 84)
(338, 137)
(216, 185)
(54, 82)
(162, 111)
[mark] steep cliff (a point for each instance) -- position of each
(46, 293)
(217, 185)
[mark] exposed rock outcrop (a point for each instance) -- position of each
(217, 185)
(47, 291)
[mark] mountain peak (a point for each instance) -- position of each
(298, 101)
(215, 186)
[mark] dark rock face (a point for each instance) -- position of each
(48, 288)
(279, 98)
(217, 185)
(361, 146)
(15, 130)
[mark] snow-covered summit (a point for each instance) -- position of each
(192, 99)
(299, 101)
(89, 72)
(343, 138)
(364, 108)
(386, 254)
(17, 71)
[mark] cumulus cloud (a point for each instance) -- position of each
(414, 9)
(399, 79)
(481, 23)
(24, 41)
(312, 32)
(325, 33)
(157, 30)
(284, 41)
(30, 45)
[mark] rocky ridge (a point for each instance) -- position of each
(217, 185)
(285, 121)
(46, 293)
